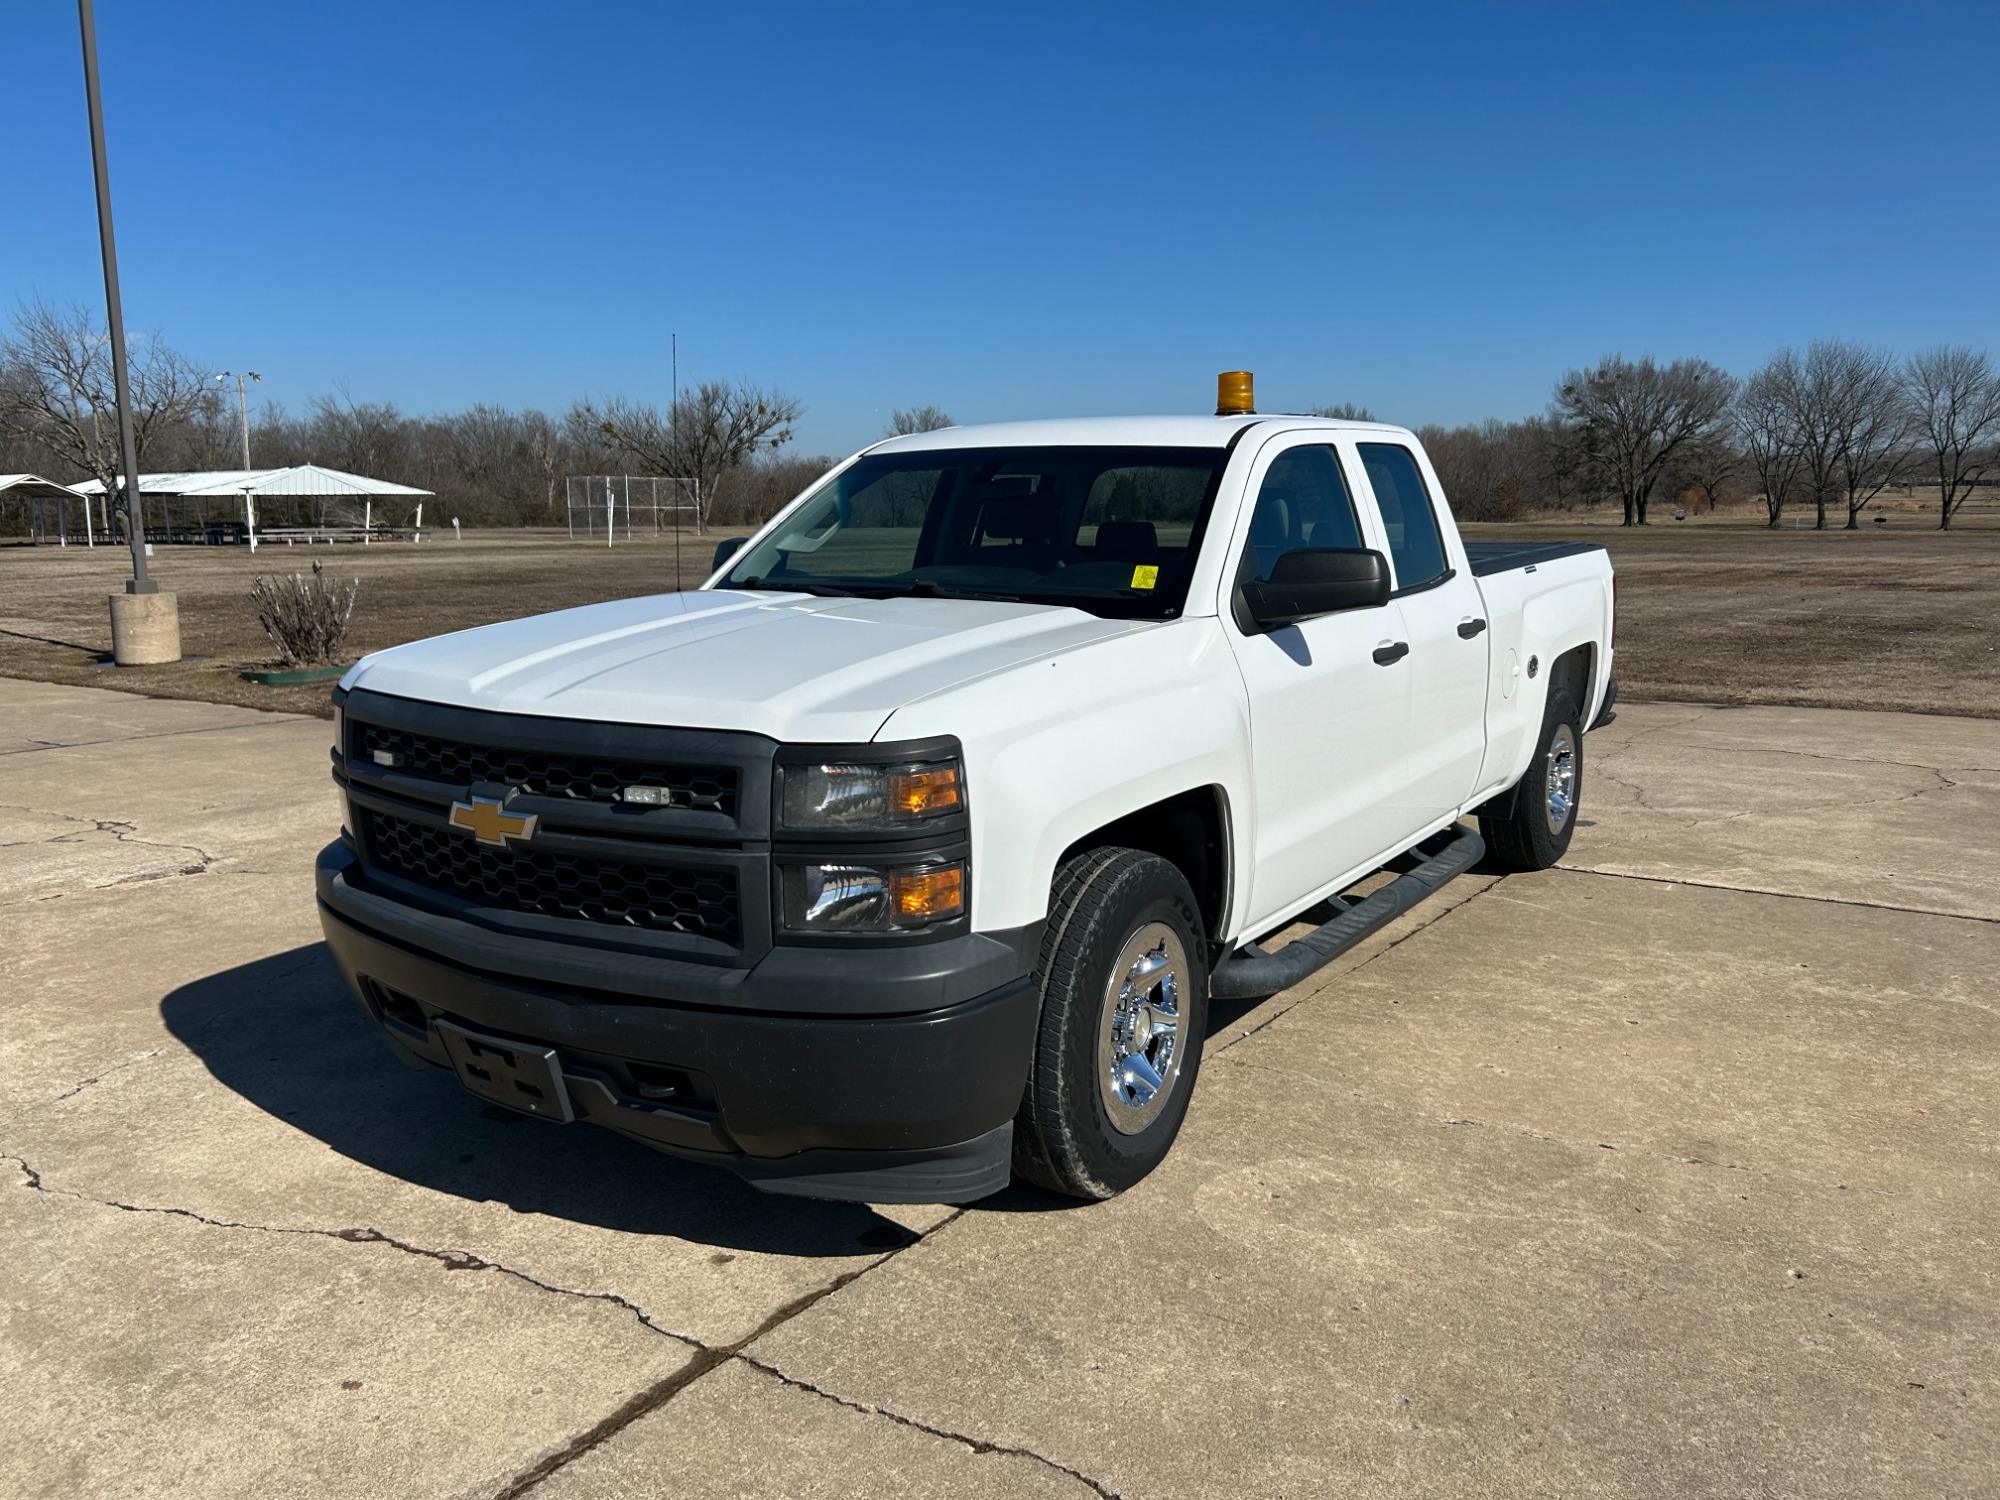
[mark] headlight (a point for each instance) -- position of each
(872, 898)
(848, 796)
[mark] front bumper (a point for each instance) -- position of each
(878, 1074)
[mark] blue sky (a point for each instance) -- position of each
(1011, 212)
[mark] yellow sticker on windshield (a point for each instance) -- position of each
(1145, 576)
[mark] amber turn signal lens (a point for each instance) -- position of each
(1233, 394)
(927, 895)
(924, 793)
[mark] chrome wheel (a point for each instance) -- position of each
(1559, 776)
(1139, 1039)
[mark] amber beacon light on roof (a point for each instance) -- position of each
(1233, 396)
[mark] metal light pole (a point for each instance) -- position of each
(242, 404)
(148, 628)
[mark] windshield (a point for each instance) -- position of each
(1110, 530)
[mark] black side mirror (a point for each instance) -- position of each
(725, 549)
(1315, 581)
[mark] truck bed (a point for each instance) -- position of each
(1503, 557)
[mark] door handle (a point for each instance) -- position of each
(1470, 628)
(1390, 654)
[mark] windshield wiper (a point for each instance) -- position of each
(923, 588)
(819, 590)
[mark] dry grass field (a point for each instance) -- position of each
(1710, 610)
(1730, 612)
(55, 624)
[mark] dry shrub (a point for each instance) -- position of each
(306, 618)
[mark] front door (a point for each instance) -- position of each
(1329, 723)
(1448, 636)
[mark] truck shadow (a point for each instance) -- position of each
(284, 1033)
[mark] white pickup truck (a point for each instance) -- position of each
(905, 855)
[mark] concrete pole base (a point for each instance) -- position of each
(145, 629)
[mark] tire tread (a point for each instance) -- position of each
(1521, 841)
(1047, 1151)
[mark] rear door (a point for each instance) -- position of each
(1442, 615)
(1329, 725)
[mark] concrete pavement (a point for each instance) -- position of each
(1671, 1171)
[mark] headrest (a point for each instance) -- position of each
(1127, 541)
(1271, 521)
(1026, 519)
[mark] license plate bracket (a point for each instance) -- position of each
(517, 1074)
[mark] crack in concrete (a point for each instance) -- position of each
(1944, 780)
(1638, 793)
(704, 1359)
(122, 831)
(978, 1445)
(707, 1358)
(451, 1260)
(1751, 890)
(1857, 760)
(130, 1062)
(267, 719)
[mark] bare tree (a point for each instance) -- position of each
(1483, 468)
(710, 431)
(917, 419)
(1878, 423)
(1767, 424)
(1850, 423)
(1954, 395)
(1707, 464)
(1553, 465)
(57, 392)
(1630, 419)
(1346, 411)
(361, 436)
(484, 443)
(1817, 426)
(546, 450)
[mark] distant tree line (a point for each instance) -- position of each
(489, 465)
(1829, 430)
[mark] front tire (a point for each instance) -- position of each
(1537, 833)
(1124, 984)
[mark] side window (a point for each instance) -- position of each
(1415, 543)
(1303, 503)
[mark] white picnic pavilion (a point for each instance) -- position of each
(278, 491)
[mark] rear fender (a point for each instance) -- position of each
(1559, 618)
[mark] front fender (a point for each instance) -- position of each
(1059, 747)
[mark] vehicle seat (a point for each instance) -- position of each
(1336, 530)
(1270, 529)
(1126, 542)
(1020, 532)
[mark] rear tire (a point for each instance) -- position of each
(1124, 984)
(1537, 833)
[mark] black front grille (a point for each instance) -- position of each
(583, 778)
(704, 903)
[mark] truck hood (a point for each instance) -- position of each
(791, 666)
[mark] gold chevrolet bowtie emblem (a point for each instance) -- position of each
(490, 823)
